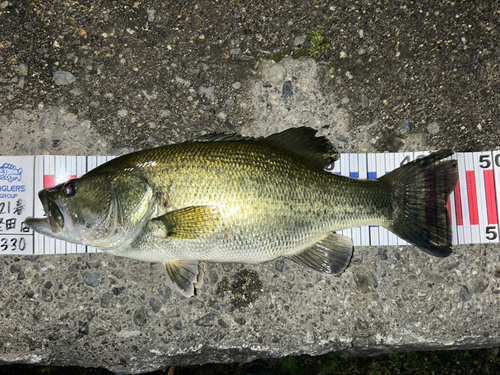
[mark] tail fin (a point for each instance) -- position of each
(420, 192)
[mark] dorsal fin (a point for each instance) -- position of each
(303, 141)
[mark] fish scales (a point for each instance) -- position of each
(271, 202)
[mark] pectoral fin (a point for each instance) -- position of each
(331, 255)
(185, 275)
(186, 223)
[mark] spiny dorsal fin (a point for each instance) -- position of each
(186, 223)
(303, 141)
(331, 255)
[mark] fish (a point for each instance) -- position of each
(229, 198)
(10, 173)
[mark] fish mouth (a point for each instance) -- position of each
(53, 223)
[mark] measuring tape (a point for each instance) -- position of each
(473, 206)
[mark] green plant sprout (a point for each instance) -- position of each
(318, 43)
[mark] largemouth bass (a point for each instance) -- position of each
(226, 198)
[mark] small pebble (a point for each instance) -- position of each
(366, 102)
(277, 74)
(464, 293)
(62, 78)
(287, 90)
(205, 321)
(240, 321)
(46, 295)
(23, 69)
(118, 291)
(106, 299)
(403, 129)
(118, 273)
(279, 265)
(155, 305)
(213, 277)
(222, 323)
(140, 318)
(208, 92)
(164, 291)
(122, 112)
(90, 279)
(28, 26)
(164, 113)
(84, 328)
(124, 300)
(433, 128)
(235, 51)
(246, 57)
(198, 304)
(151, 14)
(15, 268)
(30, 294)
(299, 40)
(236, 85)
(21, 275)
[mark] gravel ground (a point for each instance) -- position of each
(153, 72)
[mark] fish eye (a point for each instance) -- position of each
(69, 188)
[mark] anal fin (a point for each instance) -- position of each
(331, 255)
(185, 275)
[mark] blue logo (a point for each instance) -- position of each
(10, 173)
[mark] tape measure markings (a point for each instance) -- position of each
(473, 205)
